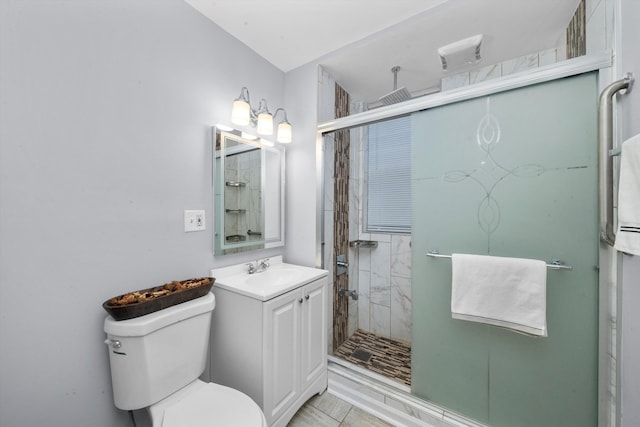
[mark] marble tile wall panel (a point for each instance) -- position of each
(484, 74)
(547, 57)
(434, 417)
(326, 96)
(364, 302)
(455, 81)
(352, 321)
(400, 310)
(489, 72)
(380, 286)
(401, 255)
(599, 25)
(519, 64)
(380, 321)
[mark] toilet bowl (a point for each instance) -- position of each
(156, 361)
(199, 403)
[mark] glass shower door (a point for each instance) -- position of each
(511, 174)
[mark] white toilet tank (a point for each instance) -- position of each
(155, 355)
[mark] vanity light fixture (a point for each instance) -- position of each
(266, 142)
(243, 115)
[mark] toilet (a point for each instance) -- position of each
(156, 360)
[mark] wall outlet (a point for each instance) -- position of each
(194, 221)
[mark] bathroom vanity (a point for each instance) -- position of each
(269, 335)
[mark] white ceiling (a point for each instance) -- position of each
(359, 41)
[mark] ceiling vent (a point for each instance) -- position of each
(461, 54)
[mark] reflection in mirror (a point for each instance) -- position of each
(249, 193)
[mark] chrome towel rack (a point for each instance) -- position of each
(605, 151)
(555, 264)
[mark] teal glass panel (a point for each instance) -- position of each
(512, 174)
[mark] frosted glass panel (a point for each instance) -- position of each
(512, 174)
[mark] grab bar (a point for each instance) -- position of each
(605, 149)
(555, 264)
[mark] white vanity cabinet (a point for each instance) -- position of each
(274, 350)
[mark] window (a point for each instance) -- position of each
(388, 176)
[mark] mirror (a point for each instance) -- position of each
(248, 176)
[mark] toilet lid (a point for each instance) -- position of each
(211, 405)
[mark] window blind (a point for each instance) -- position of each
(389, 176)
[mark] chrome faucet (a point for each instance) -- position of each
(258, 266)
(251, 268)
(262, 265)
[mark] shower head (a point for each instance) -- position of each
(397, 95)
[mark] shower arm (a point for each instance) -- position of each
(395, 70)
(605, 161)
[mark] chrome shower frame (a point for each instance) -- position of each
(609, 382)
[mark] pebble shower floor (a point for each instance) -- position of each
(387, 357)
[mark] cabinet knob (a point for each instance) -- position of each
(306, 297)
(300, 300)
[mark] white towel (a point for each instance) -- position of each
(628, 235)
(506, 292)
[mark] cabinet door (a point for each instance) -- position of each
(281, 353)
(314, 331)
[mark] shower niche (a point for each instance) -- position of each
(249, 193)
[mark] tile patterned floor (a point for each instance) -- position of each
(389, 358)
(328, 410)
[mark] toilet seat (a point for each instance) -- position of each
(207, 404)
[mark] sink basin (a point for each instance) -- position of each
(278, 279)
(275, 277)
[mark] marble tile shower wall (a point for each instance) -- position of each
(382, 275)
(384, 272)
(599, 17)
(489, 72)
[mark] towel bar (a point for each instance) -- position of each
(556, 264)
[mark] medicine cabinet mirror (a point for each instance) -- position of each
(248, 182)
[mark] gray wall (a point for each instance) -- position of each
(630, 119)
(105, 115)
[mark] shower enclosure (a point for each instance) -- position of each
(505, 173)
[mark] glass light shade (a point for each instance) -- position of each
(265, 124)
(284, 132)
(241, 112)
